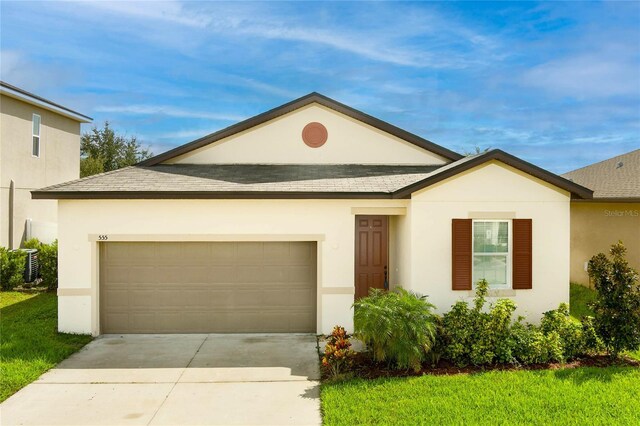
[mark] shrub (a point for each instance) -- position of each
(472, 336)
(592, 342)
(47, 260)
(397, 327)
(338, 355)
(570, 331)
(617, 304)
(475, 335)
(533, 346)
(12, 265)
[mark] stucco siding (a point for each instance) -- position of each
(279, 141)
(500, 192)
(59, 161)
(595, 227)
(329, 222)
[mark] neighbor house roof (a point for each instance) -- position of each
(615, 179)
(292, 106)
(181, 181)
(18, 93)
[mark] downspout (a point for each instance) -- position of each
(12, 190)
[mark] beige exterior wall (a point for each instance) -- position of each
(420, 239)
(59, 161)
(329, 222)
(279, 141)
(493, 191)
(595, 227)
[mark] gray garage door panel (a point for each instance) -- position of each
(208, 287)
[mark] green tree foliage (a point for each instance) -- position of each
(102, 150)
(617, 303)
(476, 150)
(397, 326)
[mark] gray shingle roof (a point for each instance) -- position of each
(617, 177)
(250, 178)
(284, 180)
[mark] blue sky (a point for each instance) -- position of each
(557, 83)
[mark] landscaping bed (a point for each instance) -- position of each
(363, 367)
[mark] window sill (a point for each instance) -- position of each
(504, 292)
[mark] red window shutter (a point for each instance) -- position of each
(522, 254)
(462, 260)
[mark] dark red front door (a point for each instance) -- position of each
(372, 255)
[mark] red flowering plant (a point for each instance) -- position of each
(338, 355)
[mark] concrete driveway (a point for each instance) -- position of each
(177, 380)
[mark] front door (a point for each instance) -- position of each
(372, 255)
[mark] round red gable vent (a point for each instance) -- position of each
(314, 135)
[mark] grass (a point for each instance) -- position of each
(580, 297)
(30, 344)
(594, 396)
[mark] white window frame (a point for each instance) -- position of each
(509, 254)
(39, 135)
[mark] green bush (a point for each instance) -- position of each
(592, 342)
(533, 346)
(47, 259)
(473, 336)
(570, 331)
(617, 304)
(397, 327)
(12, 265)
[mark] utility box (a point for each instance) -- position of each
(31, 265)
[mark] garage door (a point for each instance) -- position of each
(208, 287)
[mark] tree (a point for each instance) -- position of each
(617, 303)
(477, 150)
(102, 150)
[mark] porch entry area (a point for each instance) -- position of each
(371, 253)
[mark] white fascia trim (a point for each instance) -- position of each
(45, 105)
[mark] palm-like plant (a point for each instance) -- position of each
(397, 326)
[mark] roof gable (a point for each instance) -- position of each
(408, 138)
(467, 163)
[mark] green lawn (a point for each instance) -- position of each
(581, 396)
(580, 297)
(30, 344)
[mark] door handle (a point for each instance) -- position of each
(386, 278)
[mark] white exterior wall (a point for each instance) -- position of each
(500, 192)
(330, 222)
(279, 141)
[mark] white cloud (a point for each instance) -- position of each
(586, 75)
(169, 11)
(386, 41)
(166, 110)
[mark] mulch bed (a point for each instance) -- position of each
(365, 368)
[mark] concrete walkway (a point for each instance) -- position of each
(177, 380)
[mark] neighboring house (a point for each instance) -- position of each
(276, 223)
(612, 214)
(39, 146)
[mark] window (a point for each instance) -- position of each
(492, 252)
(35, 150)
